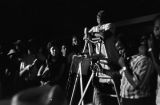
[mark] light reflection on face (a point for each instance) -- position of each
(99, 21)
(74, 41)
(63, 50)
(53, 51)
(156, 29)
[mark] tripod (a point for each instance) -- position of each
(94, 71)
(79, 73)
(99, 57)
(85, 90)
(78, 76)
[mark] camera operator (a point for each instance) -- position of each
(108, 59)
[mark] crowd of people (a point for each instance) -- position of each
(133, 78)
(31, 63)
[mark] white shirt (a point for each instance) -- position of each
(100, 49)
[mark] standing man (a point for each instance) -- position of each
(136, 82)
(104, 32)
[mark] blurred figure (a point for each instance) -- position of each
(4, 60)
(28, 70)
(12, 70)
(154, 49)
(12, 73)
(41, 53)
(45, 95)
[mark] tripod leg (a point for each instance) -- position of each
(68, 84)
(81, 83)
(118, 99)
(90, 79)
(69, 77)
(75, 84)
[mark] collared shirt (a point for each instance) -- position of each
(140, 66)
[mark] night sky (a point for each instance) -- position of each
(61, 19)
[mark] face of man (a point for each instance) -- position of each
(53, 51)
(156, 29)
(142, 49)
(74, 41)
(63, 49)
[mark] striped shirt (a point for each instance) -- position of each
(103, 27)
(100, 49)
(140, 66)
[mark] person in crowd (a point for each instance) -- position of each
(28, 59)
(65, 73)
(74, 49)
(41, 53)
(75, 45)
(54, 67)
(137, 79)
(4, 62)
(106, 50)
(64, 50)
(154, 49)
(12, 70)
(28, 71)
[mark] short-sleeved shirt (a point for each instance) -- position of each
(140, 65)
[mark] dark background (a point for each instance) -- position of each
(61, 19)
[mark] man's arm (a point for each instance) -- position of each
(129, 78)
(156, 62)
(139, 73)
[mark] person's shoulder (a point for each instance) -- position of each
(142, 59)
